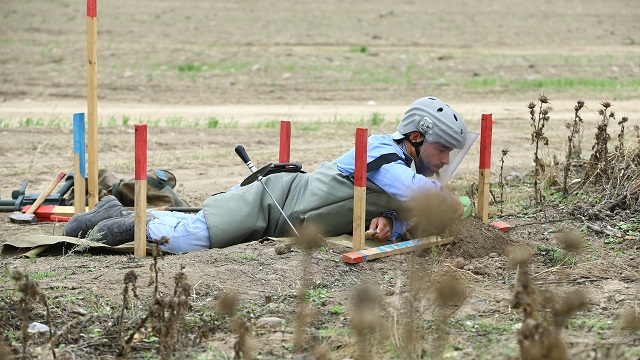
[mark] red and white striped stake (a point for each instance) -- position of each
(484, 174)
(360, 189)
(140, 202)
(285, 141)
(92, 103)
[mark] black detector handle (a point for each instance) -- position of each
(243, 154)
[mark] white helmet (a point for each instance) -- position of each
(435, 120)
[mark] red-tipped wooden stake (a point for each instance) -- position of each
(140, 201)
(484, 174)
(92, 103)
(360, 189)
(285, 141)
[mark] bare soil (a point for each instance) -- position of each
(328, 67)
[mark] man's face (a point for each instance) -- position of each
(435, 155)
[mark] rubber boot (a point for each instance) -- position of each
(80, 224)
(116, 231)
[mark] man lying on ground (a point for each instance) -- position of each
(398, 167)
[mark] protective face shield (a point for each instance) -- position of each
(455, 158)
(439, 123)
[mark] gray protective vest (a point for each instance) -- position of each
(323, 198)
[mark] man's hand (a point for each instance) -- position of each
(456, 206)
(382, 226)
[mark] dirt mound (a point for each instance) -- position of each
(475, 239)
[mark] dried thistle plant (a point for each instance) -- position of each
(450, 293)
(541, 338)
(243, 347)
(31, 292)
(309, 241)
(620, 149)
(164, 314)
(154, 269)
(574, 149)
(538, 138)
(365, 321)
(412, 338)
(505, 152)
(130, 279)
(598, 167)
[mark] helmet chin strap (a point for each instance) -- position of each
(421, 167)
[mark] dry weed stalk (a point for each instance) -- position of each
(365, 321)
(537, 137)
(309, 241)
(450, 293)
(574, 149)
(243, 348)
(31, 293)
(630, 320)
(619, 148)
(130, 279)
(540, 338)
(167, 313)
(616, 175)
(164, 314)
(598, 167)
(505, 151)
(228, 305)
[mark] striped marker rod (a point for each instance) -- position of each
(140, 202)
(360, 189)
(393, 249)
(79, 185)
(285, 141)
(484, 174)
(92, 102)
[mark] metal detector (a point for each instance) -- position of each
(257, 175)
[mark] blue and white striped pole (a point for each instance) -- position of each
(79, 175)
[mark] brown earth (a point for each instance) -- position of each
(328, 67)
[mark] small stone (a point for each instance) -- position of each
(270, 322)
(494, 255)
(36, 327)
(618, 297)
(469, 267)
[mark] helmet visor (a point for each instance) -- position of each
(455, 158)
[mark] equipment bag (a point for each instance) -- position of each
(160, 185)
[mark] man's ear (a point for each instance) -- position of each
(416, 136)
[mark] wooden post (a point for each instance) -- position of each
(140, 201)
(92, 102)
(484, 174)
(360, 189)
(285, 141)
(79, 174)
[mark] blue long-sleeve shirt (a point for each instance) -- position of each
(396, 178)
